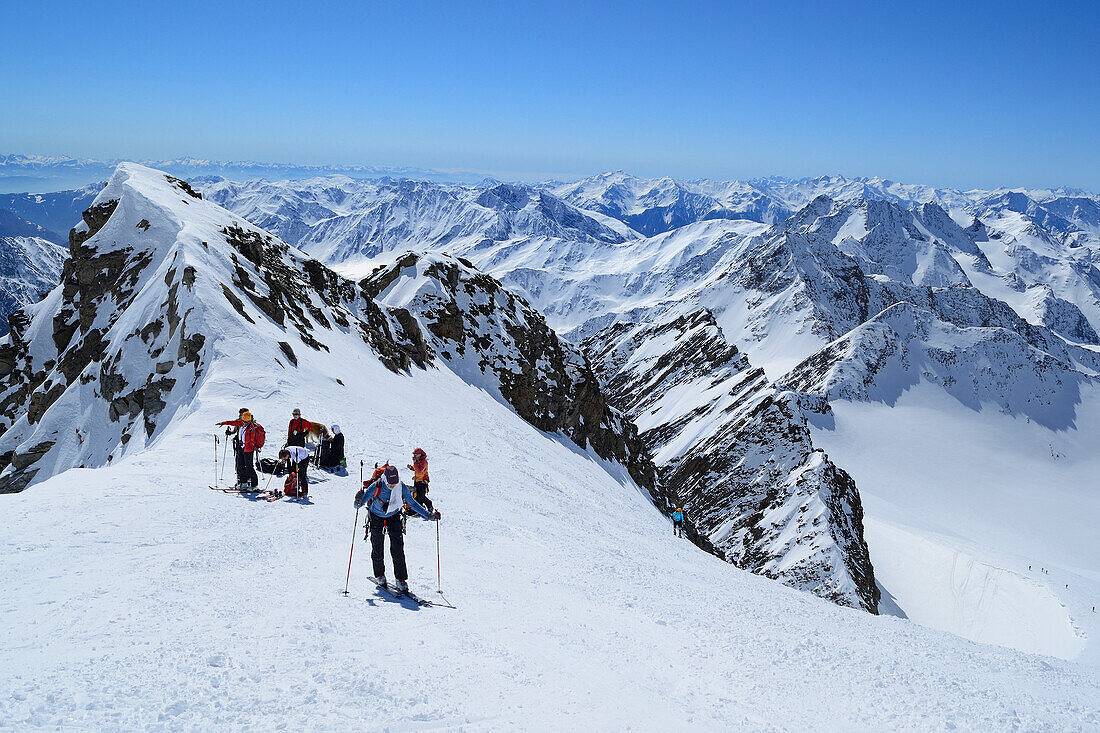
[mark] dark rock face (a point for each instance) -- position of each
(475, 324)
(737, 455)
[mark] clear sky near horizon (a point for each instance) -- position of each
(945, 93)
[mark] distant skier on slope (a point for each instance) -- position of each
(250, 437)
(419, 467)
(384, 496)
(678, 522)
(332, 450)
(297, 429)
(296, 459)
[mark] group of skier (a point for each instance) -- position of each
(387, 498)
(294, 458)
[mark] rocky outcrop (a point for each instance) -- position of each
(736, 453)
(487, 334)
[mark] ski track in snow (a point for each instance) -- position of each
(136, 598)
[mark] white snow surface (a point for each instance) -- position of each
(135, 598)
(959, 503)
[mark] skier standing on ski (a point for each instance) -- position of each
(419, 467)
(251, 436)
(385, 496)
(296, 458)
(298, 429)
(678, 522)
(238, 459)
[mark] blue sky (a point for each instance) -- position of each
(952, 94)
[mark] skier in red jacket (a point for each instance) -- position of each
(251, 435)
(298, 429)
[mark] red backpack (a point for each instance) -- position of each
(259, 436)
(290, 485)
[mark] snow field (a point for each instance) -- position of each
(959, 503)
(135, 598)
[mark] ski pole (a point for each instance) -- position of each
(215, 460)
(225, 447)
(354, 531)
(438, 577)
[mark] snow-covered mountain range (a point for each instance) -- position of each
(839, 290)
(573, 381)
(732, 322)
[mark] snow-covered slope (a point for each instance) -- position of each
(138, 599)
(30, 264)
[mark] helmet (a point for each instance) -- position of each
(391, 475)
(297, 412)
(419, 453)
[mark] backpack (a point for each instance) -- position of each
(259, 437)
(290, 486)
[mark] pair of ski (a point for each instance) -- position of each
(258, 493)
(399, 594)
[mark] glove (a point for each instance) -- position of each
(436, 516)
(229, 431)
(359, 498)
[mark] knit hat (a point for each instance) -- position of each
(391, 476)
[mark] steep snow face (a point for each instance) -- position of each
(737, 456)
(30, 264)
(159, 282)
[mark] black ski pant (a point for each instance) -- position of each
(420, 493)
(380, 527)
(239, 462)
(678, 529)
(303, 482)
(246, 469)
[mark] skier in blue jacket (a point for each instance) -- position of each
(678, 522)
(385, 498)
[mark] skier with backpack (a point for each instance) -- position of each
(385, 496)
(296, 459)
(250, 437)
(419, 467)
(678, 522)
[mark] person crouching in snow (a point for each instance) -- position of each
(297, 459)
(419, 467)
(385, 496)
